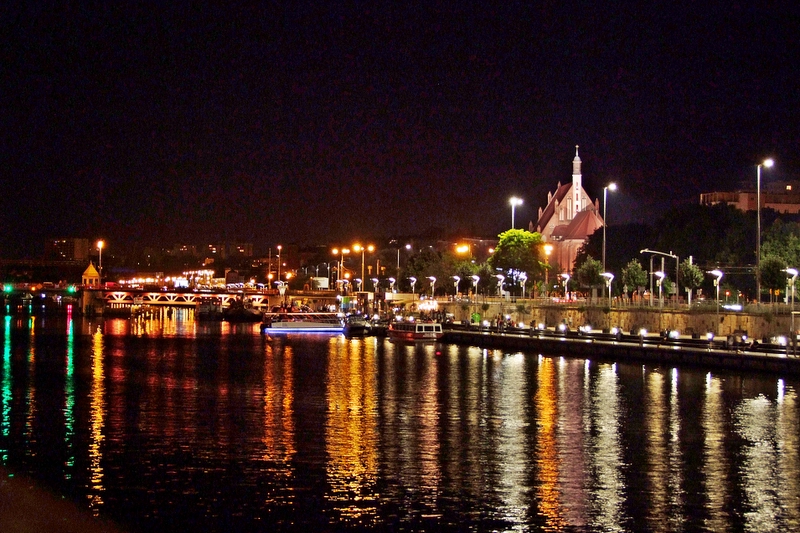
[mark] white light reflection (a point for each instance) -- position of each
(716, 468)
(608, 488)
(755, 420)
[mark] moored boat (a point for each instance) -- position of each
(208, 308)
(301, 322)
(415, 331)
(357, 326)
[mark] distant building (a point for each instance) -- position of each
(242, 249)
(782, 196)
(67, 249)
(568, 219)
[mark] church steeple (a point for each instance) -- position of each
(577, 187)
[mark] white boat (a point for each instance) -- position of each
(302, 322)
(415, 331)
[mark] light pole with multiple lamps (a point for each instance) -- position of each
(514, 201)
(279, 261)
(766, 163)
(341, 253)
(358, 248)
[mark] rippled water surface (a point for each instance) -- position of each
(167, 424)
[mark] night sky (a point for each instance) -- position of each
(169, 122)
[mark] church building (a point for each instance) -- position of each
(568, 219)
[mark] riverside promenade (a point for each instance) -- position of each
(652, 349)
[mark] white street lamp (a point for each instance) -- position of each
(500, 279)
(391, 284)
(524, 278)
(766, 163)
(413, 281)
(609, 278)
(375, 284)
(514, 201)
(566, 285)
(433, 286)
(792, 272)
(475, 280)
(456, 279)
(660, 275)
(610, 187)
(718, 274)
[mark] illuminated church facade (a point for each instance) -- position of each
(568, 219)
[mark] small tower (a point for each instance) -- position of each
(90, 278)
(576, 185)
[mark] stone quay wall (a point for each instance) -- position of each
(766, 322)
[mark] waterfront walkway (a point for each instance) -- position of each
(714, 353)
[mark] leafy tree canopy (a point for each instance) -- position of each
(518, 250)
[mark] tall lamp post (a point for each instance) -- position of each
(475, 280)
(413, 281)
(524, 279)
(433, 286)
(514, 201)
(100, 245)
(610, 187)
(548, 249)
(456, 279)
(279, 261)
(766, 163)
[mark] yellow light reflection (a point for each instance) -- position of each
(547, 459)
(97, 409)
(279, 429)
(351, 433)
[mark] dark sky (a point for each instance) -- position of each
(170, 122)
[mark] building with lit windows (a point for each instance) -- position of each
(568, 219)
(70, 249)
(782, 196)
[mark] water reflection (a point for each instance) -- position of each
(98, 406)
(216, 427)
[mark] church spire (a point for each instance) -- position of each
(577, 187)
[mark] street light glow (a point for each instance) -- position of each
(514, 201)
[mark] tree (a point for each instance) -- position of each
(588, 273)
(634, 276)
(518, 251)
(772, 274)
(692, 277)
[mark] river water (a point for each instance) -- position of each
(167, 424)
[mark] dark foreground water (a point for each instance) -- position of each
(170, 425)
